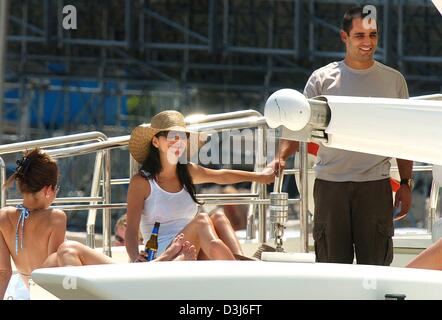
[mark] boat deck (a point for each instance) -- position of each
(407, 243)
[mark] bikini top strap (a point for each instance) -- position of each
(146, 175)
(24, 214)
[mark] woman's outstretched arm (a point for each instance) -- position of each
(226, 176)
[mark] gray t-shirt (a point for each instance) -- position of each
(337, 78)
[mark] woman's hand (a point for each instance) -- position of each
(142, 257)
(277, 165)
(266, 176)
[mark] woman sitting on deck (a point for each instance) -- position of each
(164, 191)
(43, 244)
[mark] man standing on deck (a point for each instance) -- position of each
(352, 192)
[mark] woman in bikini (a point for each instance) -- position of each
(33, 235)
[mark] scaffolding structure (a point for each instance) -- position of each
(132, 58)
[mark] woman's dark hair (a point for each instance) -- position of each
(34, 171)
(152, 165)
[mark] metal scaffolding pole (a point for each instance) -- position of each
(4, 13)
(207, 47)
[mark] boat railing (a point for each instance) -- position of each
(436, 96)
(257, 199)
(63, 141)
(102, 171)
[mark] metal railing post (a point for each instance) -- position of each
(262, 151)
(95, 191)
(2, 183)
(107, 222)
(251, 226)
(133, 166)
(4, 19)
(277, 188)
(303, 212)
(434, 196)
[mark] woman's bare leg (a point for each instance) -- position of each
(173, 250)
(188, 252)
(430, 258)
(225, 231)
(201, 233)
(73, 253)
(51, 261)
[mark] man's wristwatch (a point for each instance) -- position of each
(408, 182)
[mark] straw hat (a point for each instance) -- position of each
(141, 136)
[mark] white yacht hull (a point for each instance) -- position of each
(236, 280)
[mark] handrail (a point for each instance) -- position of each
(436, 96)
(394, 169)
(239, 119)
(110, 143)
(13, 202)
(52, 142)
(57, 141)
(122, 181)
(122, 141)
(123, 205)
(241, 123)
(200, 118)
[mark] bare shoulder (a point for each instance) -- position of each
(138, 178)
(139, 184)
(139, 181)
(58, 217)
(5, 211)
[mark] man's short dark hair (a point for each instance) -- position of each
(350, 14)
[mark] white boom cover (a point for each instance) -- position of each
(438, 4)
(398, 128)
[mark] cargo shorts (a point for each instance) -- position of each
(353, 218)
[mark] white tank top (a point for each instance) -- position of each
(173, 210)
